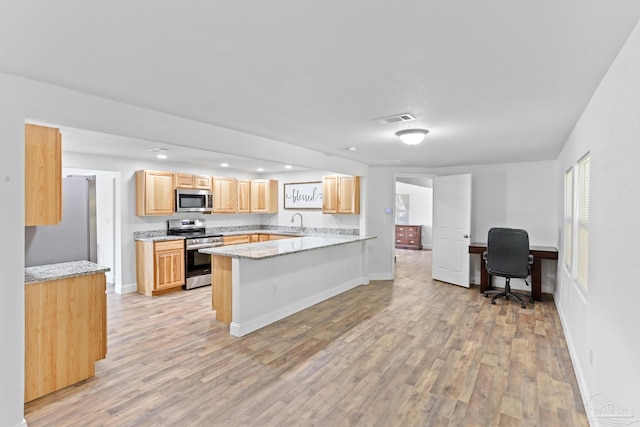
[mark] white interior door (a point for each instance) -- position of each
(451, 228)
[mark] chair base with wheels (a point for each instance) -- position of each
(507, 293)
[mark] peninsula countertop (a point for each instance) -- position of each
(63, 270)
(275, 248)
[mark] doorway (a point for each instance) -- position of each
(413, 196)
(108, 223)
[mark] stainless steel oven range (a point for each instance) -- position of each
(197, 265)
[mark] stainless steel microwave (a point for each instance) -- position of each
(193, 200)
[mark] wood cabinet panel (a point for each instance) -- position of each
(155, 193)
(183, 180)
(202, 182)
(237, 240)
(329, 194)
(244, 196)
(279, 236)
(187, 180)
(159, 266)
(349, 195)
(169, 266)
(264, 196)
(340, 194)
(43, 175)
(225, 198)
(65, 332)
(221, 284)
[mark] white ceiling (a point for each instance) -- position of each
(493, 81)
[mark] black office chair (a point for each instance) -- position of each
(507, 256)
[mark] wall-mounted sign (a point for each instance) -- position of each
(303, 195)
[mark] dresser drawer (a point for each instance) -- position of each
(408, 237)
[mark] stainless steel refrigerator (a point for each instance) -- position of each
(74, 238)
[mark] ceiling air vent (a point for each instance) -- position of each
(406, 117)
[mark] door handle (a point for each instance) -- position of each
(466, 236)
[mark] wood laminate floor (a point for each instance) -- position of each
(409, 352)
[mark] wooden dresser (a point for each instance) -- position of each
(409, 237)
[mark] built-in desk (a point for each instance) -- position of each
(538, 252)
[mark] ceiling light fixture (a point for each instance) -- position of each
(412, 136)
(351, 148)
(224, 165)
(260, 169)
(161, 156)
(288, 166)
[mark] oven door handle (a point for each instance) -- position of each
(203, 246)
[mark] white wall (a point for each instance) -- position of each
(24, 99)
(521, 195)
(420, 209)
(11, 259)
(605, 318)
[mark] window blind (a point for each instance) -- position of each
(584, 166)
(568, 218)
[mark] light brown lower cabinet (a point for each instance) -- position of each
(237, 240)
(279, 236)
(159, 266)
(253, 238)
(65, 332)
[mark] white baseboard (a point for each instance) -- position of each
(580, 377)
(381, 276)
(126, 289)
(238, 330)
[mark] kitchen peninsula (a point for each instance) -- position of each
(257, 284)
(65, 324)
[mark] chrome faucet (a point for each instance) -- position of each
(294, 215)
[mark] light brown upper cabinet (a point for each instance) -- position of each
(199, 182)
(341, 194)
(244, 195)
(43, 175)
(155, 193)
(225, 195)
(329, 194)
(264, 196)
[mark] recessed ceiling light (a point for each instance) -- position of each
(224, 165)
(288, 166)
(351, 148)
(161, 156)
(260, 169)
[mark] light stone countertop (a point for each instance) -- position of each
(63, 270)
(264, 231)
(159, 238)
(276, 248)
